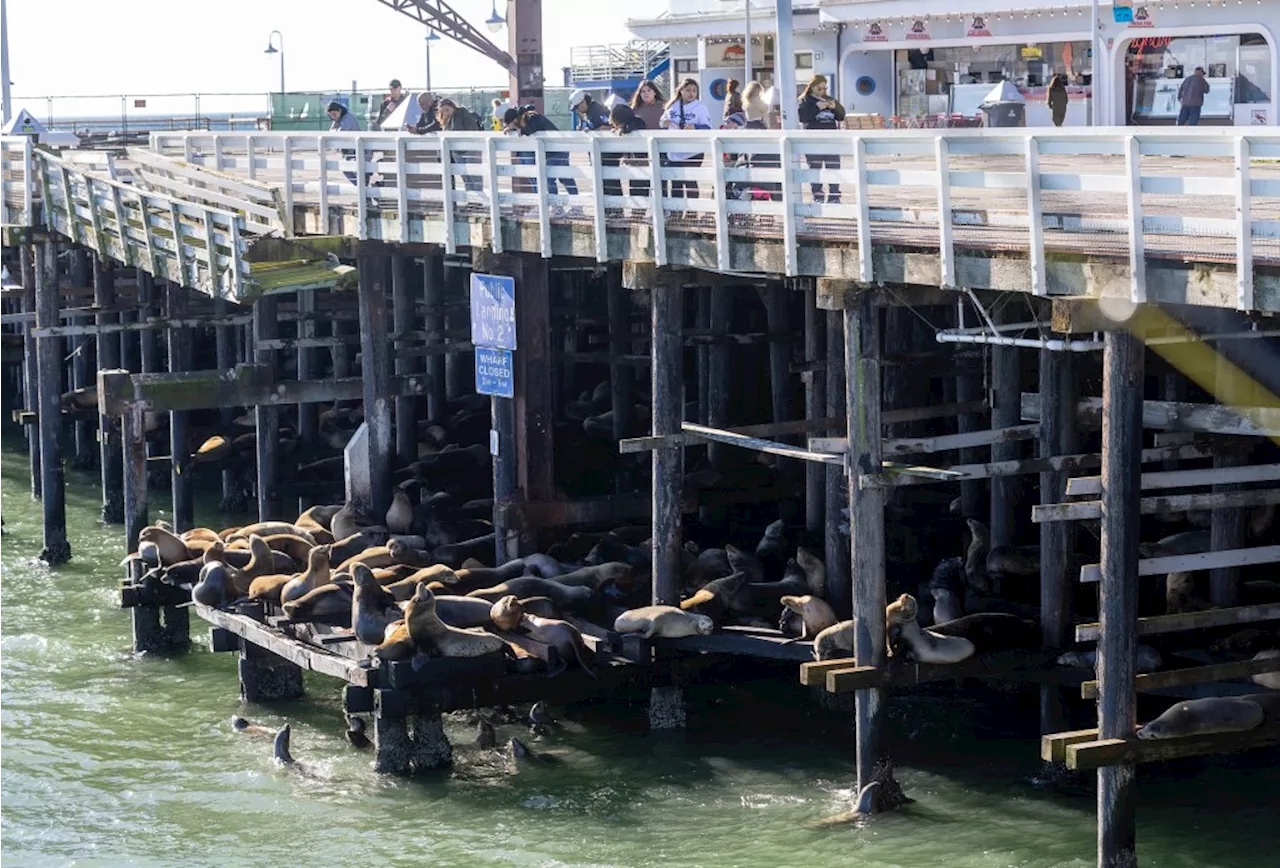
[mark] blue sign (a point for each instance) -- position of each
(1122, 14)
(495, 372)
(493, 312)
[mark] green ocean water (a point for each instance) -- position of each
(111, 759)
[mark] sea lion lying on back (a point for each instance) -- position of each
(663, 621)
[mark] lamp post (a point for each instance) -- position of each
(4, 63)
(431, 37)
(271, 49)
(495, 21)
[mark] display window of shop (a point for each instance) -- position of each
(1238, 69)
(956, 79)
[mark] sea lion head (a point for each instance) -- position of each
(239, 724)
(211, 589)
(422, 597)
(617, 573)
(280, 749)
(215, 552)
(979, 530)
(796, 603)
(318, 559)
(517, 750)
(507, 612)
(363, 578)
(704, 625)
(396, 548)
(445, 575)
(149, 553)
(774, 531)
(261, 551)
(806, 560)
(901, 610)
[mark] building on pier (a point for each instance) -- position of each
(921, 61)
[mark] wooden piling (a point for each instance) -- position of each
(225, 358)
(1122, 388)
(111, 459)
(866, 522)
(308, 414)
(777, 312)
(620, 400)
(403, 320)
(1227, 526)
(815, 400)
(29, 254)
(719, 378)
(375, 368)
(433, 291)
(134, 449)
(534, 390)
(839, 589)
(266, 417)
(969, 390)
(82, 374)
(56, 549)
(148, 352)
(1057, 437)
(183, 490)
(1006, 411)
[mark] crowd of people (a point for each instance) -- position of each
(647, 109)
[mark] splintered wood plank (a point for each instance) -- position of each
(308, 657)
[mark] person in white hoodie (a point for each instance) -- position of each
(685, 112)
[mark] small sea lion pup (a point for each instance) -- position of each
(665, 621)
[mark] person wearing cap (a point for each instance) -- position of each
(390, 102)
(624, 121)
(587, 113)
(1191, 98)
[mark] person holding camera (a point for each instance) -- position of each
(819, 111)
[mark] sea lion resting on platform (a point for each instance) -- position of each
(372, 608)
(721, 598)
(815, 615)
(325, 601)
(924, 646)
(214, 587)
(508, 614)
(1149, 659)
(1204, 717)
(317, 574)
(815, 571)
(266, 529)
(838, 637)
(170, 547)
(394, 553)
(463, 612)
(564, 596)
(428, 632)
(595, 577)
(992, 631)
(1270, 680)
(663, 621)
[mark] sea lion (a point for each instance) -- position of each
(991, 631)
(1269, 680)
(815, 613)
(148, 552)
(946, 605)
(269, 528)
(437, 577)
(241, 725)
(372, 608)
(356, 732)
(742, 562)
(975, 562)
(454, 554)
(614, 572)
(170, 548)
(837, 637)
(543, 566)
(721, 598)
(771, 550)
(397, 644)
(241, 558)
(867, 804)
(199, 534)
(1180, 594)
(922, 645)
(348, 547)
(428, 631)
(392, 554)
(1204, 717)
(463, 612)
(543, 607)
(214, 587)
(1148, 660)
(324, 602)
(399, 518)
(564, 596)
(314, 576)
(318, 517)
(709, 564)
(216, 448)
(490, 575)
(1011, 560)
(815, 571)
(508, 614)
(294, 546)
(1188, 542)
(663, 621)
(268, 588)
(346, 522)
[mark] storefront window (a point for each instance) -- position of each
(1238, 69)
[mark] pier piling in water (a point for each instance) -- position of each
(182, 485)
(112, 450)
(57, 549)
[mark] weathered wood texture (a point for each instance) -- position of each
(179, 421)
(56, 549)
(666, 297)
(1117, 644)
(839, 586)
(1191, 621)
(111, 457)
(815, 407)
(433, 292)
(375, 370)
(404, 319)
(266, 416)
(29, 255)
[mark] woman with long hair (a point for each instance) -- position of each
(686, 111)
(818, 111)
(733, 99)
(648, 104)
(754, 106)
(1057, 99)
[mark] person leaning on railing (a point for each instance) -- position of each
(526, 121)
(341, 120)
(624, 121)
(817, 111)
(685, 112)
(453, 118)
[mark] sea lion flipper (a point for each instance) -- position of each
(698, 599)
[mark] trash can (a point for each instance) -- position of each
(1005, 113)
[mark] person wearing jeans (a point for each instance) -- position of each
(1191, 98)
(818, 111)
(526, 121)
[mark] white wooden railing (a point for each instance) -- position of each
(18, 189)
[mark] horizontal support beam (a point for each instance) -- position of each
(1117, 751)
(915, 445)
(1068, 463)
(263, 636)
(769, 429)
(1092, 509)
(1208, 619)
(771, 447)
(1184, 478)
(843, 676)
(1190, 563)
(157, 323)
(1191, 675)
(1177, 416)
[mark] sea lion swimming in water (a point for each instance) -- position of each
(866, 805)
(356, 732)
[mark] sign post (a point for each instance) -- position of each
(493, 332)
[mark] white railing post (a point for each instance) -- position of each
(946, 236)
(248, 150)
(598, 211)
(211, 250)
(1137, 247)
(658, 216)
(1035, 219)
(117, 207)
(720, 198)
(495, 203)
(402, 188)
(790, 254)
(217, 153)
(324, 186)
(288, 186)
(28, 182)
(1244, 226)
(446, 178)
(178, 253)
(544, 185)
(866, 262)
(362, 204)
(152, 261)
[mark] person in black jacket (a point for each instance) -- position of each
(588, 115)
(624, 121)
(818, 111)
(526, 121)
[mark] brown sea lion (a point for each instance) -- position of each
(815, 571)
(318, 517)
(323, 602)
(837, 638)
(294, 546)
(721, 598)
(372, 608)
(428, 631)
(916, 643)
(508, 614)
(171, 548)
(491, 575)
(317, 574)
(269, 528)
(815, 614)
(396, 643)
(462, 612)
(613, 572)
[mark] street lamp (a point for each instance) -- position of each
(271, 49)
(495, 21)
(432, 36)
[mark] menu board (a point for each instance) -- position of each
(1158, 97)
